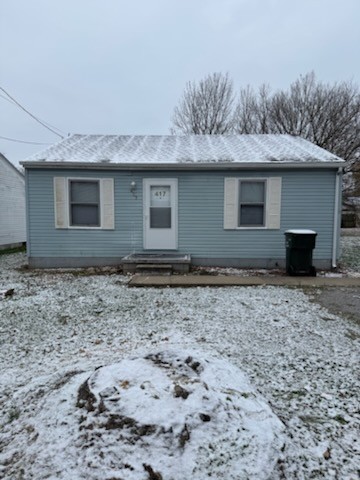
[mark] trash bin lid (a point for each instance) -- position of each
(302, 232)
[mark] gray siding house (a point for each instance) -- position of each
(225, 200)
(12, 205)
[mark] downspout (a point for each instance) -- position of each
(27, 214)
(336, 217)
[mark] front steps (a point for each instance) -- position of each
(154, 269)
(156, 263)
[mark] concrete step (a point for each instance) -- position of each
(154, 268)
(160, 262)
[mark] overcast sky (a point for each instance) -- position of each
(120, 66)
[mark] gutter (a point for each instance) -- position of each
(180, 166)
(336, 225)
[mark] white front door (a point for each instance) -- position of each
(160, 213)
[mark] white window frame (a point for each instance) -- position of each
(272, 204)
(106, 212)
(250, 180)
(83, 180)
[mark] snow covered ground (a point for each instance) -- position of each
(58, 327)
(350, 253)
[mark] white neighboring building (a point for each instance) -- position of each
(12, 205)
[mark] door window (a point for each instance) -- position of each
(160, 206)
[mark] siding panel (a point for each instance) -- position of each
(307, 202)
(12, 205)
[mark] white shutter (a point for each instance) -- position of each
(60, 202)
(230, 203)
(273, 203)
(107, 203)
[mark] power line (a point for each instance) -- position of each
(7, 99)
(46, 123)
(31, 115)
(37, 119)
(22, 141)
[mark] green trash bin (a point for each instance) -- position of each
(299, 250)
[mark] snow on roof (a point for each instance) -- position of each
(188, 149)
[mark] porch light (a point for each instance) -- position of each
(133, 187)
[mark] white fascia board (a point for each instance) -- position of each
(182, 166)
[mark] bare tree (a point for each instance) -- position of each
(252, 113)
(206, 107)
(327, 115)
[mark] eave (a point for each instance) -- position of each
(181, 166)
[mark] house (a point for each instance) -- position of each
(225, 200)
(12, 205)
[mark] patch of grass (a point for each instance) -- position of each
(246, 394)
(13, 414)
(352, 335)
(296, 394)
(341, 419)
(350, 253)
(312, 419)
(75, 272)
(7, 251)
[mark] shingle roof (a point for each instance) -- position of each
(171, 149)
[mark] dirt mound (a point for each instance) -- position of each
(176, 415)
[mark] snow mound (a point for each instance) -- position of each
(175, 415)
(170, 415)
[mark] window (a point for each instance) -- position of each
(252, 203)
(160, 207)
(84, 202)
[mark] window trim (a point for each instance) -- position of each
(62, 203)
(273, 202)
(70, 203)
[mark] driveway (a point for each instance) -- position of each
(340, 301)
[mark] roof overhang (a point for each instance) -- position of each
(181, 166)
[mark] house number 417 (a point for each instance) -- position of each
(160, 193)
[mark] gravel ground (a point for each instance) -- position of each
(344, 301)
(341, 301)
(302, 358)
